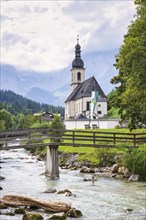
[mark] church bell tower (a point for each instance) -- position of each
(78, 70)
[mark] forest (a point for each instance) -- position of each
(15, 104)
(17, 112)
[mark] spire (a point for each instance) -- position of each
(77, 39)
(78, 62)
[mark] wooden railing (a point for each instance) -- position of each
(77, 138)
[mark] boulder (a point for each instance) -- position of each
(85, 169)
(66, 192)
(129, 210)
(115, 168)
(74, 168)
(134, 178)
(2, 177)
(77, 165)
(19, 211)
(127, 173)
(87, 179)
(32, 216)
(10, 213)
(74, 213)
(3, 206)
(60, 215)
(120, 170)
(50, 190)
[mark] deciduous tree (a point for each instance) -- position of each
(130, 94)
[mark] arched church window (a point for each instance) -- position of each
(78, 76)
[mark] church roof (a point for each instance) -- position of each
(85, 89)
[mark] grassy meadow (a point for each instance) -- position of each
(94, 154)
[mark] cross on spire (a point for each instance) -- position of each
(77, 39)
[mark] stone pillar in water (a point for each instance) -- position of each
(52, 168)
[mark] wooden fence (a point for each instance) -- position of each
(77, 138)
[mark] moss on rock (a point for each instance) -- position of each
(32, 216)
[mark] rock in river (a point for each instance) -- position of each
(32, 216)
(61, 215)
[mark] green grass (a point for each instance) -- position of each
(92, 154)
(118, 130)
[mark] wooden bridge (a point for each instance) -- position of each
(53, 138)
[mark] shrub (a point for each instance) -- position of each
(106, 157)
(135, 161)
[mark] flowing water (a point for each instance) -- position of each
(108, 199)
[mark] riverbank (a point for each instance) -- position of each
(102, 163)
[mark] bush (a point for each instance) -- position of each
(135, 161)
(106, 157)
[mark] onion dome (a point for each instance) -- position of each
(78, 62)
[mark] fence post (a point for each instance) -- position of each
(93, 137)
(73, 135)
(134, 140)
(114, 138)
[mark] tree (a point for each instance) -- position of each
(130, 96)
(6, 121)
(57, 128)
(111, 99)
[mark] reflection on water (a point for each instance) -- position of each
(108, 199)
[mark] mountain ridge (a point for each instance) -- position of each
(53, 86)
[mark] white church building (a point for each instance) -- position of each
(86, 106)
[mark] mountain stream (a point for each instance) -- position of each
(107, 199)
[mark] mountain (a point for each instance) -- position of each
(43, 96)
(15, 104)
(53, 87)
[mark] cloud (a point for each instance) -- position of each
(41, 35)
(103, 23)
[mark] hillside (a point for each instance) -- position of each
(15, 103)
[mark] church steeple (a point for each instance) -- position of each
(78, 62)
(78, 70)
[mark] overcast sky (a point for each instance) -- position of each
(41, 35)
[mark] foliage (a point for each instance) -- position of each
(90, 156)
(43, 124)
(6, 120)
(110, 99)
(130, 96)
(17, 112)
(106, 157)
(135, 161)
(113, 113)
(58, 128)
(15, 104)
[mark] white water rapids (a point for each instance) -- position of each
(108, 199)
